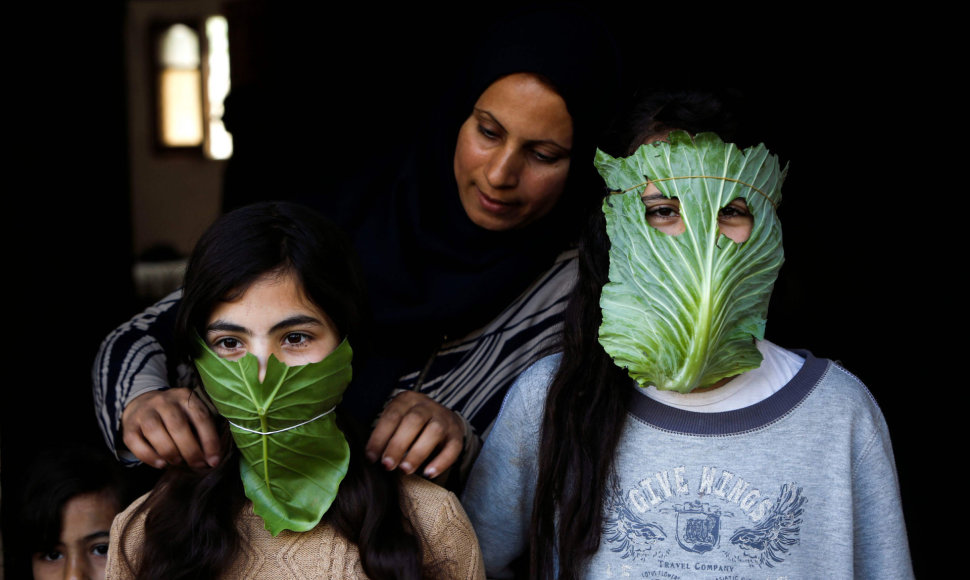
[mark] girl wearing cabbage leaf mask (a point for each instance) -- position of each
(669, 434)
(272, 301)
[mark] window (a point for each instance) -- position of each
(192, 81)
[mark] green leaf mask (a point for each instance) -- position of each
(681, 312)
(293, 455)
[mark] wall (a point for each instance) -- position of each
(174, 196)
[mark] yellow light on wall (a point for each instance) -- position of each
(180, 87)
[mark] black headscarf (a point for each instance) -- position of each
(431, 272)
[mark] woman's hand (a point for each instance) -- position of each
(410, 429)
(170, 427)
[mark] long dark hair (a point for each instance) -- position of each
(588, 399)
(660, 111)
(190, 529)
(581, 426)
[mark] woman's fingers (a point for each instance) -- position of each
(410, 429)
(421, 450)
(136, 442)
(179, 427)
(399, 425)
(417, 436)
(205, 429)
(170, 427)
(385, 428)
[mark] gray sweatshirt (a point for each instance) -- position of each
(799, 485)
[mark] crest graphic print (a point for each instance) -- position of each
(700, 527)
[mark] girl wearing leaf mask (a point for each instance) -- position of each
(272, 302)
(669, 435)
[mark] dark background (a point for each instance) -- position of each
(840, 99)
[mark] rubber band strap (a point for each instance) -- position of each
(649, 181)
(325, 413)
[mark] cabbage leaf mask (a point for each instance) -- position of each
(292, 454)
(682, 311)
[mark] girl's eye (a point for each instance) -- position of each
(663, 211)
(296, 338)
(52, 556)
(663, 214)
(228, 347)
(736, 209)
(228, 343)
(99, 549)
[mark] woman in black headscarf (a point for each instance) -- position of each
(466, 289)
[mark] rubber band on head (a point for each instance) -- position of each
(649, 181)
(324, 414)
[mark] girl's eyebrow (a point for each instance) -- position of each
(658, 195)
(224, 326)
(296, 320)
(98, 534)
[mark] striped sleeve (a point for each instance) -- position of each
(471, 375)
(132, 360)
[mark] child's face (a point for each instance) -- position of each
(274, 316)
(82, 549)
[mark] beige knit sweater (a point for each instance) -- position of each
(449, 543)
